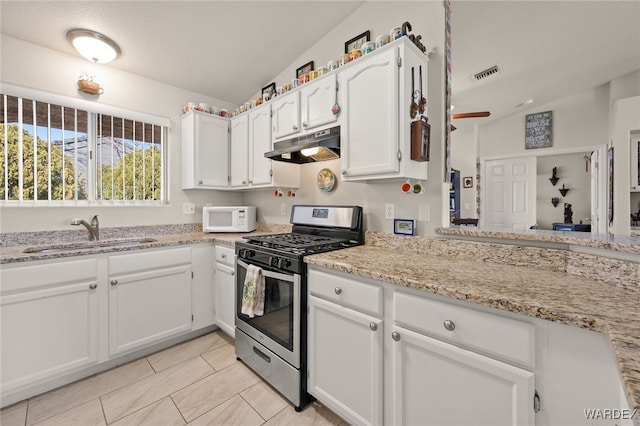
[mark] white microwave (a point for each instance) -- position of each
(228, 218)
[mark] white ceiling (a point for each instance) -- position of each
(547, 49)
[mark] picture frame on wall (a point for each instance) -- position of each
(268, 91)
(357, 41)
(467, 182)
(404, 226)
(304, 69)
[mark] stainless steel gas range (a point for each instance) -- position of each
(274, 344)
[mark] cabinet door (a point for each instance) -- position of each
(345, 361)
(225, 299)
(369, 131)
(211, 151)
(51, 329)
(240, 151)
(318, 99)
(147, 307)
(286, 115)
(259, 143)
(435, 383)
(203, 286)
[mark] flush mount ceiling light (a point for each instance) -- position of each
(93, 46)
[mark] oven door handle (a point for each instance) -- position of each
(269, 274)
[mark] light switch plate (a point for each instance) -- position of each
(188, 208)
(283, 209)
(424, 212)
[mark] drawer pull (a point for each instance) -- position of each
(338, 290)
(93, 286)
(224, 256)
(114, 282)
(373, 326)
(449, 325)
(395, 336)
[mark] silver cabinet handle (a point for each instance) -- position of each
(199, 182)
(295, 127)
(93, 286)
(244, 182)
(224, 256)
(304, 125)
(250, 182)
(373, 326)
(233, 273)
(338, 290)
(344, 172)
(449, 325)
(395, 336)
(114, 282)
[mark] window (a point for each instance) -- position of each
(56, 154)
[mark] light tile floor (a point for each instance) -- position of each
(198, 382)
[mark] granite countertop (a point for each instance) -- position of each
(621, 243)
(15, 254)
(540, 293)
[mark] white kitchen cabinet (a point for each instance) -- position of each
(286, 115)
(203, 286)
(225, 289)
(375, 129)
(149, 298)
(49, 321)
(205, 151)
(436, 383)
(346, 347)
(635, 165)
(250, 139)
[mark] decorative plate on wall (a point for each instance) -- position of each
(326, 180)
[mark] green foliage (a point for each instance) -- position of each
(62, 169)
(140, 168)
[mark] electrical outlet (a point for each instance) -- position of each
(188, 208)
(389, 211)
(283, 209)
(424, 212)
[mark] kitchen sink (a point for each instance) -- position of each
(82, 245)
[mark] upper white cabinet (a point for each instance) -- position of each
(205, 151)
(250, 139)
(305, 109)
(286, 115)
(376, 98)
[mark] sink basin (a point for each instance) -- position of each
(82, 245)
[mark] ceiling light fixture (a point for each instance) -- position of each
(527, 102)
(93, 46)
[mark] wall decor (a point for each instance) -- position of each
(326, 180)
(467, 182)
(555, 201)
(404, 226)
(304, 69)
(563, 190)
(554, 176)
(538, 131)
(268, 91)
(357, 41)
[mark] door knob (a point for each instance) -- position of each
(338, 290)
(373, 326)
(93, 286)
(395, 336)
(114, 282)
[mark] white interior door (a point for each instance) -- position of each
(509, 199)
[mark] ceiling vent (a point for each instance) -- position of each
(485, 74)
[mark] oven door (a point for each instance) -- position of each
(278, 329)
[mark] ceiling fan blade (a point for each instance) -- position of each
(478, 114)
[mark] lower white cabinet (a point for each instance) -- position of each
(436, 383)
(345, 361)
(225, 289)
(149, 298)
(203, 286)
(49, 321)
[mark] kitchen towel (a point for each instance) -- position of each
(253, 292)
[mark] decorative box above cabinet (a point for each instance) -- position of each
(376, 92)
(205, 151)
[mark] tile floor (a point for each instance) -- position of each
(199, 382)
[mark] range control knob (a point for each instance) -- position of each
(283, 263)
(273, 261)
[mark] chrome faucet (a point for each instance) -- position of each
(93, 229)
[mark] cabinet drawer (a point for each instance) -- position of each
(358, 295)
(125, 263)
(25, 278)
(506, 338)
(225, 255)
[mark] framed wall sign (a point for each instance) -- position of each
(404, 226)
(538, 130)
(357, 41)
(467, 182)
(304, 69)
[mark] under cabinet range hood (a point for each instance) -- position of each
(318, 146)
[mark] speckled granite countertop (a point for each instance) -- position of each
(627, 244)
(542, 293)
